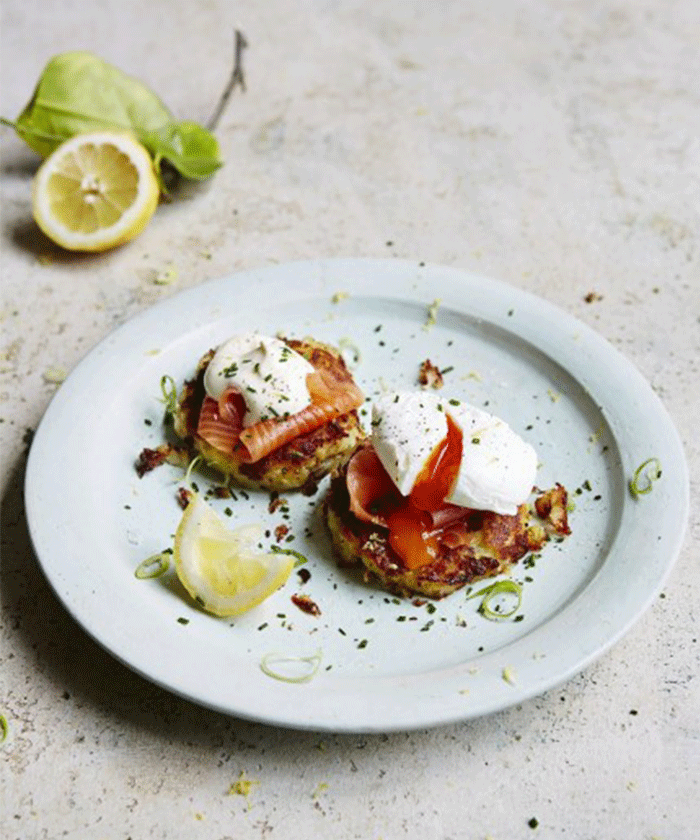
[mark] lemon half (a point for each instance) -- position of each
(95, 191)
(221, 568)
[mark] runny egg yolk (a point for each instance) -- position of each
(409, 522)
(408, 536)
(435, 480)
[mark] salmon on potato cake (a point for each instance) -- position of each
(271, 413)
(438, 498)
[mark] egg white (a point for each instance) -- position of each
(406, 428)
(269, 375)
(497, 470)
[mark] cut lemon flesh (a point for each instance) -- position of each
(95, 191)
(221, 568)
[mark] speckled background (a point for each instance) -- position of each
(554, 144)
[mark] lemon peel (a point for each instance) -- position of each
(222, 568)
(96, 191)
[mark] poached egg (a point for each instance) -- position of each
(269, 375)
(497, 467)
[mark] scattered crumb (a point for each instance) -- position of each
(553, 395)
(593, 438)
(243, 787)
(429, 375)
(508, 675)
(54, 375)
(592, 297)
(338, 296)
(321, 787)
(166, 277)
(277, 502)
(306, 604)
(281, 532)
(432, 314)
(149, 459)
(183, 497)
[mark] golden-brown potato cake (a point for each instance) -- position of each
(299, 464)
(495, 542)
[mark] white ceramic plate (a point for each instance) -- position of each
(386, 663)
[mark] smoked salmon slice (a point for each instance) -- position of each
(413, 531)
(219, 425)
(368, 483)
(332, 394)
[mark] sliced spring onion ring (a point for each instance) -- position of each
(270, 662)
(169, 391)
(300, 558)
(349, 351)
(4, 729)
(154, 566)
(644, 477)
(488, 593)
(190, 467)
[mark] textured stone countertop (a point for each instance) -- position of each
(553, 144)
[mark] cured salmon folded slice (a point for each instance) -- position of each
(418, 535)
(373, 498)
(412, 551)
(332, 392)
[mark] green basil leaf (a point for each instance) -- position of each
(191, 149)
(79, 92)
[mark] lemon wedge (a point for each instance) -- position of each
(221, 568)
(95, 191)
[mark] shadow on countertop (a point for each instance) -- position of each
(55, 650)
